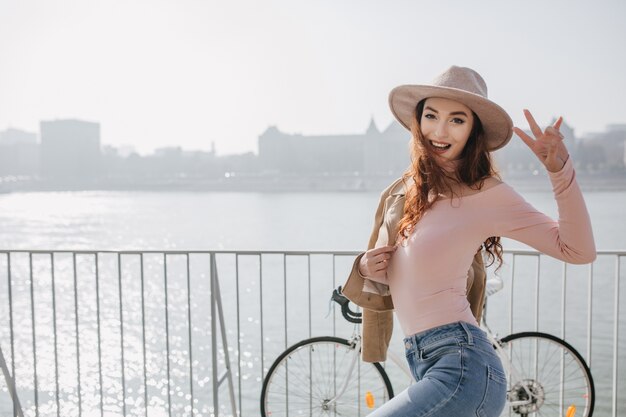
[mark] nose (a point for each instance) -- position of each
(442, 130)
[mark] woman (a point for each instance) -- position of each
(455, 203)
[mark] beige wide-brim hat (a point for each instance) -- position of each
(465, 86)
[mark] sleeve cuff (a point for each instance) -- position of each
(561, 180)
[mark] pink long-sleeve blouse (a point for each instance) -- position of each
(427, 275)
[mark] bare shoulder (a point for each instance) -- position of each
(490, 182)
(487, 184)
(466, 190)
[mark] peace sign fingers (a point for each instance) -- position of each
(546, 145)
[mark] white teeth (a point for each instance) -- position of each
(440, 145)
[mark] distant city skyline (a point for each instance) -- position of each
(15, 134)
(191, 73)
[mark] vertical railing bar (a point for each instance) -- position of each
(54, 332)
(80, 401)
(334, 286)
(563, 328)
(229, 375)
(511, 294)
(563, 299)
(214, 379)
(308, 260)
(100, 379)
(261, 315)
(32, 311)
(119, 287)
(167, 336)
(615, 334)
(285, 319)
(538, 274)
(589, 313)
(238, 328)
(285, 297)
(562, 332)
(143, 335)
(189, 327)
(12, 336)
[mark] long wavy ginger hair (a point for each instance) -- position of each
(432, 180)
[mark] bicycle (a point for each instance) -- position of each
(325, 376)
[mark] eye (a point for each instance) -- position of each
(458, 121)
(430, 116)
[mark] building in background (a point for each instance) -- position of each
(604, 152)
(70, 150)
(371, 153)
(19, 153)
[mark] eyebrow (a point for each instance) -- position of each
(454, 113)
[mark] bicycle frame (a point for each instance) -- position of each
(355, 342)
(509, 369)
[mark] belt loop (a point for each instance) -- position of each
(470, 338)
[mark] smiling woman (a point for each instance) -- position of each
(422, 259)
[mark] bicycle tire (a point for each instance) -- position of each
(308, 373)
(553, 370)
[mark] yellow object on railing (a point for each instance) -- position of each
(369, 399)
(571, 410)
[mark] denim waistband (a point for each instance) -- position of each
(460, 330)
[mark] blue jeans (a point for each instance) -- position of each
(458, 374)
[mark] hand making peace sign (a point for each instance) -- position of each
(548, 145)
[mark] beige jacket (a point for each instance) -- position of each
(374, 297)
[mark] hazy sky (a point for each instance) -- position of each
(189, 72)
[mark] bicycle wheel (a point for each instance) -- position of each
(553, 372)
(305, 377)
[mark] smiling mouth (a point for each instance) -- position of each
(440, 146)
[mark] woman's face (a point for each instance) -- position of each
(446, 125)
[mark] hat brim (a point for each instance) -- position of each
(496, 122)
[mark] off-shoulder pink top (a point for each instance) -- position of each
(428, 275)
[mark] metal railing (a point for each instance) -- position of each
(148, 332)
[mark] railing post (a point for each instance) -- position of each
(214, 338)
(17, 408)
(616, 334)
(216, 304)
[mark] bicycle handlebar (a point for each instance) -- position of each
(346, 311)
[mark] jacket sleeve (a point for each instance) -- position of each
(377, 330)
(377, 326)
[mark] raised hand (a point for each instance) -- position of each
(547, 145)
(373, 264)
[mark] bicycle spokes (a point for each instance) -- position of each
(547, 376)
